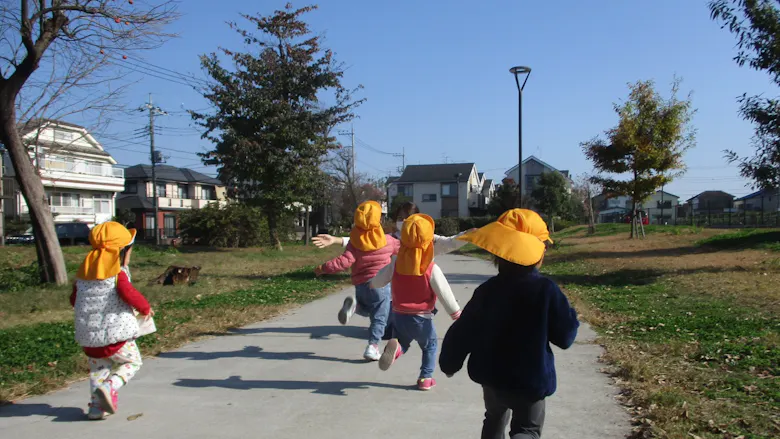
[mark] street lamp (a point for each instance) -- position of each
(519, 71)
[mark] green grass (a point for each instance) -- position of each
(714, 352)
(235, 287)
(611, 229)
(37, 354)
(745, 239)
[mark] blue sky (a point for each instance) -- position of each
(437, 82)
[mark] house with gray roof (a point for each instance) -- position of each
(441, 190)
(178, 189)
(79, 177)
(532, 170)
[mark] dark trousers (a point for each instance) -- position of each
(527, 417)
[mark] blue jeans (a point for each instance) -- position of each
(374, 304)
(410, 328)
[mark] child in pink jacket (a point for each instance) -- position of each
(368, 251)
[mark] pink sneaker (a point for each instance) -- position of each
(391, 353)
(108, 397)
(426, 383)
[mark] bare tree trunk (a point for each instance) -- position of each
(50, 258)
(591, 215)
(633, 220)
(307, 224)
(273, 220)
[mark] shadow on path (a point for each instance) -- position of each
(59, 414)
(337, 388)
(255, 352)
(467, 278)
(314, 332)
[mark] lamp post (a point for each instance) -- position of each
(517, 72)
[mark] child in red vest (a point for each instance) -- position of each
(416, 284)
(369, 250)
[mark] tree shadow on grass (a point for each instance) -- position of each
(337, 388)
(257, 353)
(633, 277)
(58, 414)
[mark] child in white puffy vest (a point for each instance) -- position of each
(103, 300)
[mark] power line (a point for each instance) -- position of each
(179, 74)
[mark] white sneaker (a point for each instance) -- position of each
(347, 310)
(372, 353)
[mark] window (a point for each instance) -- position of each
(207, 193)
(449, 190)
(131, 187)
(406, 190)
(665, 205)
(181, 191)
(169, 222)
(149, 222)
(64, 199)
(63, 135)
(161, 190)
(102, 203)
(429, 198)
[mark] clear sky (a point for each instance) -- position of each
(437, 82)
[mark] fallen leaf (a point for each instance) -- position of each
(134, 417)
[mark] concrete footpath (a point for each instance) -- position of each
(302, 375)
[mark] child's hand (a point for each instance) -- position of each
(322, 241)
(318, 271)
(455, 315)
(151, 313)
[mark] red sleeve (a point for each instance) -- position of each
(73, 296)
(130, 295)
(340, 263)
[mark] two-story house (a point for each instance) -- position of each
(79, 177)
(763, 200)
(177, 189)
(711, 202)
(611, 209)
(532, 170)
(661, 207)
(443, 190)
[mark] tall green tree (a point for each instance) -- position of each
(756, 24)
(647, 145)
(269, 127)
(551, 195)
(504, 199)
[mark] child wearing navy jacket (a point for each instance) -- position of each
(507, 328)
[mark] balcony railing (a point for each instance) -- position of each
(73, 210)
(97, 169)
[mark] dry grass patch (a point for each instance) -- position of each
(693, 328)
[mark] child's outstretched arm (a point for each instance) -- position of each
(337, 264)
(324, 240)
(131, 296)
(446, 244)
(459, 339)
(443, 291)
(385, 275)
(562, 319)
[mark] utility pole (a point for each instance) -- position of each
(2, 200)
(154, 111)
(662, 205)
(402, 155)
(351, 133)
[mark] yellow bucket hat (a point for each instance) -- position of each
(517, 236)
(107, 240)
(367, 234)
(416, 252)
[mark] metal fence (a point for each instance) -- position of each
(743, 219)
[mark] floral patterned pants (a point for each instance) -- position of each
(119, 368)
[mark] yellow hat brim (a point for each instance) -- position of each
(507, 243)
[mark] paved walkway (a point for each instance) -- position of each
(301, 375)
